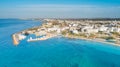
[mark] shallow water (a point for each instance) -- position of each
(54, 52)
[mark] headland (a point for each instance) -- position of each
(100, 30)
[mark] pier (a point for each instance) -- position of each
(15, 39)
(42, 38)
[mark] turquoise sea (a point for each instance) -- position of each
(54, 52)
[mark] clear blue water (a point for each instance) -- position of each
(54, 52)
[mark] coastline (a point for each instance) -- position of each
(81, 38)
(94, 40)
(73, 29)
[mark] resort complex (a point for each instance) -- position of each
(103, 30)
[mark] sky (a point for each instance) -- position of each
(59, 8)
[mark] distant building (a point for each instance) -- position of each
(75, 32)
(103, 28)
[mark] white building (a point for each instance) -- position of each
(21, 37)
(64, 28)
(117, 29)
(42, 32)
(114, 29)
(93, 30)
(58, 30)
(75, 31)
(75, 25)
(103, 28)
(52, 29)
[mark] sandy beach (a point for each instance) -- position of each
(95, 40)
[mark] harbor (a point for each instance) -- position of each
(48, 36)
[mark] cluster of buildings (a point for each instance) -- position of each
(85, 26)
